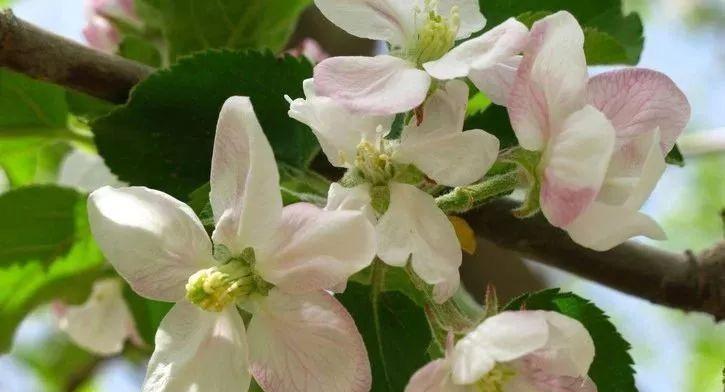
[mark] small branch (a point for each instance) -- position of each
(465, 198)
(42, 55)
(685, 281)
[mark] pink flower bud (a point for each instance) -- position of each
(311, 49)
(101, 34)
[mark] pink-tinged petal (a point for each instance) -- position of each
(198, 350)
(447, 288)
(374, 85)
(434, 377)
(338, 130)
(575, 165)
(551, 81)
(471, 18)
(637, 165)
(307, 343)
(502, 338)
(533, 380)
(480, 53)
(340, 198)
(414, 227)
(385, 20)
(102, 324)
(101, 35)
(602, 227)
(438, 146)
(318, 249)
(245, 194)
(498, 80)
(154, 241)
(639, 100)
(570, 349)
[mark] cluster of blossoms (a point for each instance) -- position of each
(255, 299)
(104, 17)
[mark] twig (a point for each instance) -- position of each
(42, 55)
(685, 281)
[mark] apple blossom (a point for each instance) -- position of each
(385, 172)
(102, 324)
(275, 263)
(100, 32)
(601, 142)
(421, 35)
(514, 351)
(311, 49)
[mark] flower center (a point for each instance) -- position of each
(495, 380)
(212, 289)
(374, 162)
(437, 35)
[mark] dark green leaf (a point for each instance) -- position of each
(494, 120)
(675, 157)
(163, 137)
(612, 37)
(138, 49)
(195, 25)
(612, 367)
(395, 331)
(46, 252)
(301, 185)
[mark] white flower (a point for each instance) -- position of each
(422, 36)
(602, 141)
(102, 324)
(274, 262)
(522, 351)
(411, 225)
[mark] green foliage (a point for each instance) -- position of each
(494, 119)
(301, 185)
(138, 49)
(675, 157)
(611, 37)
(163, 138)
(395, 331)
(612, 367)
(147, 314)
(46, 252)
(194, 25)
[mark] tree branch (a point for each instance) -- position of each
(682, 281)
(42, 55)
(685, 281)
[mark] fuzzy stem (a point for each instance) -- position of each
(464, 199)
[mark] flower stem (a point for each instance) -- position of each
(464, 199)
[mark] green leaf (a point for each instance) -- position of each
(494, 120)
(675, 157)
(46, 252)
(147, 314)
(611, 36)
(138, 49)
(395, 332)
(612, 367)
(195, 25)
(301, 185)
(163, 137)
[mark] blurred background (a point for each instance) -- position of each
(673, 351)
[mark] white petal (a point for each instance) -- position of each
(602, 227)
(570, 344)
(575, 165)
(307, 343)
(498, 80)
(375, 85)
(103, 323)
(245, 194)
(440, 149)
(340, 198)
(415, 227)
(318, 249)
(639, 100)
(551, 81)
(199, 351)
(472, 20)
(501, 338)
(434, 377)
(338, 130)
(153, 240)
(386, 20)
(491, 48)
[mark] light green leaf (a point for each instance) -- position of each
(612, 367)
(147, 314)
(611, 36)
(195, 25)
(395, 331)
(138, 49)
(46, 252)
(163, 137)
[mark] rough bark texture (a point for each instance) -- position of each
(42, 55)
(685, 281)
